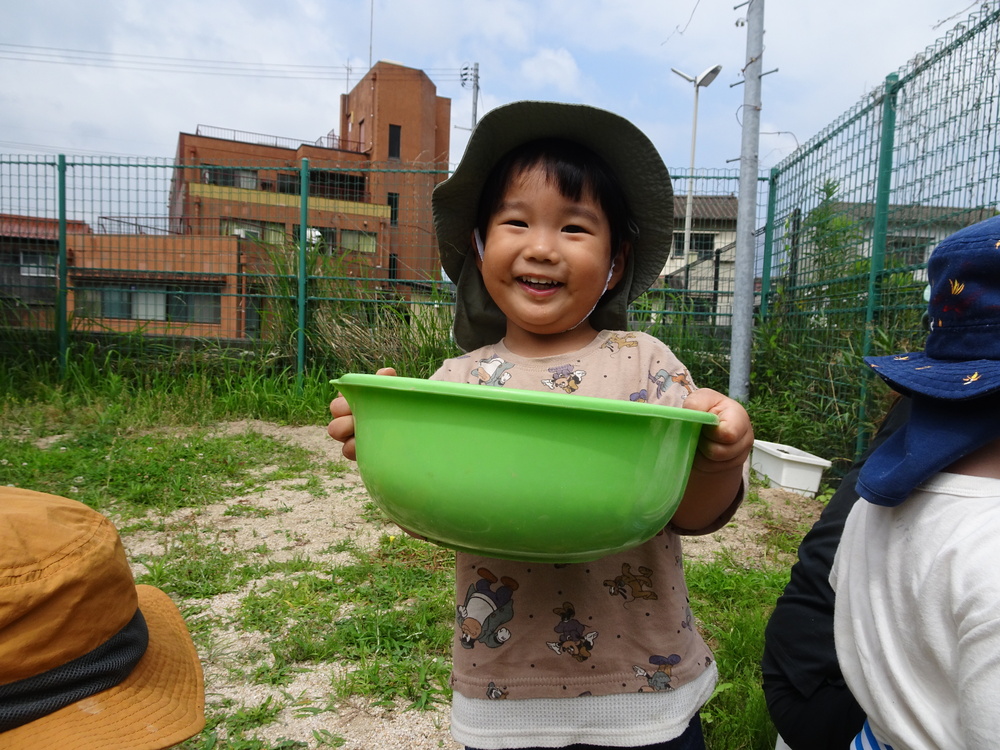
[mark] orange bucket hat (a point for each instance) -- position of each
(88, 659)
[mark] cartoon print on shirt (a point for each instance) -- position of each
(565, 378)
(485, 610)
(682, 379)
(631, 587)
(640, 396)
(572, 640)
(659, 678)
(618, 341)
(495, 693)
(686, 622)
(660, 381)
(492, 371)
(663, 378)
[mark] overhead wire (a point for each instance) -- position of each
(191, 66)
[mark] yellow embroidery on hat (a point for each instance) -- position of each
(901, 357)
(956, 286)
(925, 367)
(997, 246)
(971, 378)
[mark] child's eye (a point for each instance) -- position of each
(516, 222)
(574, 228)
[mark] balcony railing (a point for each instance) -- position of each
(330, 141)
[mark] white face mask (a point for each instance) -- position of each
(607, 281)
(479, 242)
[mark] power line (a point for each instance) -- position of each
(190, 66)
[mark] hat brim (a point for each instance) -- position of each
(627, 151)
(160, 704)
(952, 380)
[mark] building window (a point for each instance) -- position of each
(395, 141)
(230, 177)
(271, 232)
(288, 183)
(37, 264)
(323, 239)
(702, 243)
(394, 209)
(355, 241)
(908, 251)
(336, 185)
(174, 303)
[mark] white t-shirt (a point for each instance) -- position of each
(917, 617)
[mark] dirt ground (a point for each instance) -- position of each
(310, 527)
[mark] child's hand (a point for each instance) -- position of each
(727, 445)
(342, 426)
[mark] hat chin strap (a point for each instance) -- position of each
(611, 271)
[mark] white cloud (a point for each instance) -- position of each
(552, 69)
(611, 54)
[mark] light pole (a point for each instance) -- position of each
(703, 80)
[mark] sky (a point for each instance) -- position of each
(125, 77)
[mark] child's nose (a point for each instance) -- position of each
(541, 245)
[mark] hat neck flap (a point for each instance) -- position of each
(937, 434)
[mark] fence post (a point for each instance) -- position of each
(62, 295)
(303, 278)
(880, 227)
(741, 323)
(765, 272)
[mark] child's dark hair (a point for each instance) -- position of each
(574, 169)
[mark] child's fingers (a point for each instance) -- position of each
(339, 407)
(341, 428)
(348, 448)
(732, 439)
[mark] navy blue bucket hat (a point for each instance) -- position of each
(961, 359)
(955, 382)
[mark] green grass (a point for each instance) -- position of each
(142, 450)
(732, 603)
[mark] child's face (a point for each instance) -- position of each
(546, 262)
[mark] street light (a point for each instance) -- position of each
(703, 80)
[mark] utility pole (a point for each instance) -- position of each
(472, 74)
(746, 216)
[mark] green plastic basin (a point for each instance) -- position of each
(521, 475)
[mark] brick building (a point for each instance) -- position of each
(235, 207)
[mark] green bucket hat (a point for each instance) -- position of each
(627, 151)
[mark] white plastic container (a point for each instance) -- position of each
(787, 467)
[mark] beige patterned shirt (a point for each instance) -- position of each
(620, 624)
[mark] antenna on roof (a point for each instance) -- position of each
(371, 28)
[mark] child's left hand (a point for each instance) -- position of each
(726, 446)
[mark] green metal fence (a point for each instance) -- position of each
(297, 264)
(854, 213)
(290, 265)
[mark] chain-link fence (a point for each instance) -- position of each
(314, 257)
(284, 263)
(855, 212)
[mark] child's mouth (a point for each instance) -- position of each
(538, 284)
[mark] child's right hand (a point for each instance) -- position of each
(342, 426)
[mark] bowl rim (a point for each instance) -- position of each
(542, 399)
